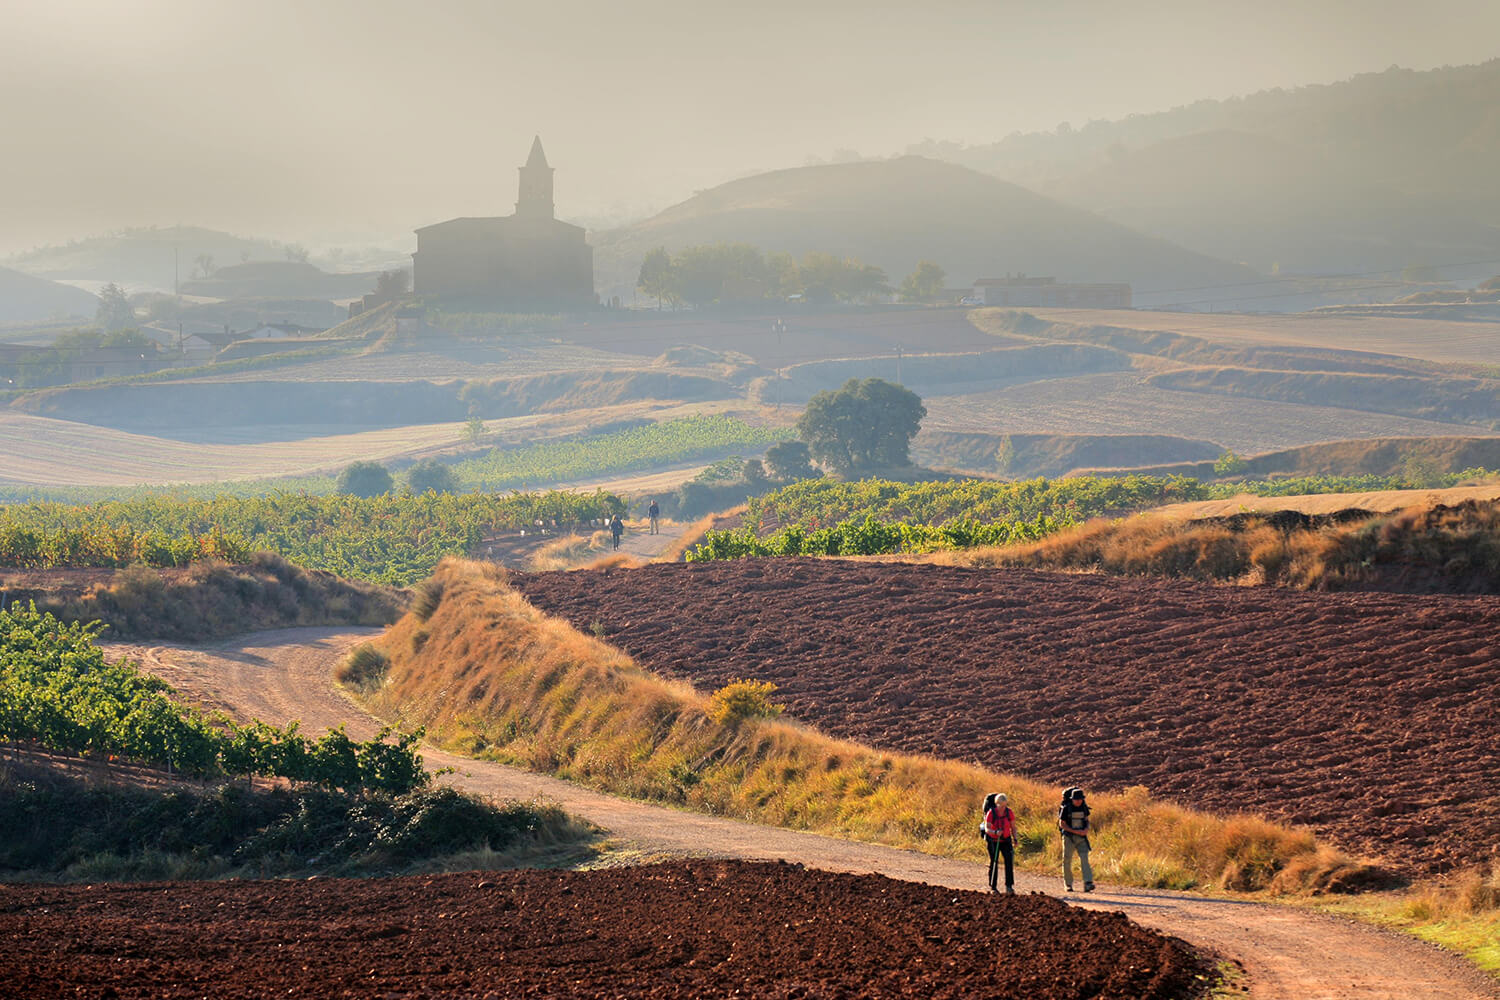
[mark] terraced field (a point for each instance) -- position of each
(1366, 716)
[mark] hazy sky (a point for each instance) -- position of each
(336, 119)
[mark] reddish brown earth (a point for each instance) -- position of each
(1370, 717)
(684, 929)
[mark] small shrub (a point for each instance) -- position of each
(364, 668)
(743, 699)
(429, 596)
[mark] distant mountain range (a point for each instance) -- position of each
(894, 213)
(26, 299)
(1382, 172)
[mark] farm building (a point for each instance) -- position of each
(527, 258)
(1023, 290)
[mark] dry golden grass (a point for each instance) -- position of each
(693, 534)
(568, 552)
(1381, 502)
(1432, 548)
(497, 677)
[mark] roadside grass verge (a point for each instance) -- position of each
(1461, 915)
(497, 678)
(56, 827)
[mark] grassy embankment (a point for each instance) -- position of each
(1423, 548)
(489, 675)
(205, 600)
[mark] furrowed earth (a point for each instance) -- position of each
(1367, 716)
(684, 929)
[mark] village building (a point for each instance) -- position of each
(526, 259)
(1022, 290)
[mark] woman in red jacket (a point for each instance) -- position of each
(999, 829)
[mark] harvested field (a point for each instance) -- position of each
(686, 929)
(1366, 716)
(1126, 403)
(1437, 340)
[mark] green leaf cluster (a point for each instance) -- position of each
(57, 689)
(391, 538)
(871, 537)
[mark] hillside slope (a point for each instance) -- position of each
(893, 213)
(1381, 171)
(28, 299)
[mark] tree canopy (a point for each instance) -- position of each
(365, 479)
(722, 273)
(925, 283)
(115, 311)
(865, 424)
(430, 474)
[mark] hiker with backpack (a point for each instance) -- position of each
(616, 529)
(654, 513)
(1073, 822)
(999, 832)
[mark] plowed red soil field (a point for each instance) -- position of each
(685, 929)
(1370, 717)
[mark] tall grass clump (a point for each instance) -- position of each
(499, 678)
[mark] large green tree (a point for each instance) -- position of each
(925, 283)
(656, 278)
(365, 479)
(115, 311)
(865, 424)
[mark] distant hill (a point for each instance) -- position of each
(26, 299)
(143, 258)
(261, 279)
(893, 213)
(1383, 171)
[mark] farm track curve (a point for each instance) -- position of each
(1289, 953)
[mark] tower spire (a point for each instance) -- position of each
(534, 200)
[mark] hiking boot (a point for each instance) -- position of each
(1088, 887)
(1010, 890)
(1070, 888)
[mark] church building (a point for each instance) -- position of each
(525, 259)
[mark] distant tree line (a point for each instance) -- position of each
(728, 273)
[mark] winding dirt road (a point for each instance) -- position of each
(1288, 953)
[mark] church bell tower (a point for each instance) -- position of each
(535, 197)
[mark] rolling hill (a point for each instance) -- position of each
(893, 213)
(27, 299)
(1382, 171)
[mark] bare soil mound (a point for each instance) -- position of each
(1367, 716)
(686, 929)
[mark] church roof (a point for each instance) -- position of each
(537, 157)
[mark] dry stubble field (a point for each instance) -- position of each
(1366, 716)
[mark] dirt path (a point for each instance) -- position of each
(287, 674)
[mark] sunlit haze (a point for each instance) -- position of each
(342, 120)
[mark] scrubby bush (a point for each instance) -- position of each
(365, 667)
(743, 699)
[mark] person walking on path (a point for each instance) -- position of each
(616, 529)
(1073, 821)
(654, 513)
(999, 830)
